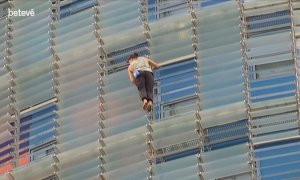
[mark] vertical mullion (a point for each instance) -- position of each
(245, 59)
(13, 105)
(294, 55)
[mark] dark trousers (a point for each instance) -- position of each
(145, 82)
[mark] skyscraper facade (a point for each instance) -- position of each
(226, 98)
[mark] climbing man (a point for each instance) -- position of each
(141, 74)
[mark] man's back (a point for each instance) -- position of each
(142, 64)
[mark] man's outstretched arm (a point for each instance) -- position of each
(153, 64)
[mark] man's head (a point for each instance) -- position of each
(132, 56)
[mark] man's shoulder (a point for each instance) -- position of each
(130, 67)
(143, 58)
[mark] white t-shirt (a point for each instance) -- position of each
(142, 64)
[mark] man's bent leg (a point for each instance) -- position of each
(141, 85)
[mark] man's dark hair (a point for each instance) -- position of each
(132, 56)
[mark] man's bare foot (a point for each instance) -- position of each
(145, 103)
(149, 106)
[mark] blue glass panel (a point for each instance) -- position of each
(284, 159)
(280, 160)
(212, 2)
(273, 90)
(278, 151)
(76, 6)
(273, 97)
(42, 129)
(6, 152)
(281, 168)
(38, 123)
(151, 2)
(24, 144)
(227, 126)
(276, 143)
(38, 112)
(24, 136)
(41, 138)
(81, 5)
(290, 175)
(186, 65)
(183, 93)
(181, 155)
(129, 49)
(228, 143)
(151, 18)
(25, 119)
(179, 85)
(177, 77)
(151, 10)
(6, 159)
(267, 16)
(6, 143)
(232, 133)
(272, 81)
(269, 23)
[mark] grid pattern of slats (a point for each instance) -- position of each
(30, 57)
(280, 161)
(176, 89)
(29, 85)
(222, 105)
(74, 47)
(170, 38)
(175, 134)
(99, 128)
(36, 170)
(183, 168)
(36, 130)
(295, 19)
(169, 41)
(214, 164)
(6, 129)
(127, 29)
(273, 104)
(125, 152)
(274, 80)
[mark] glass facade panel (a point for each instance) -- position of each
(227, 90)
